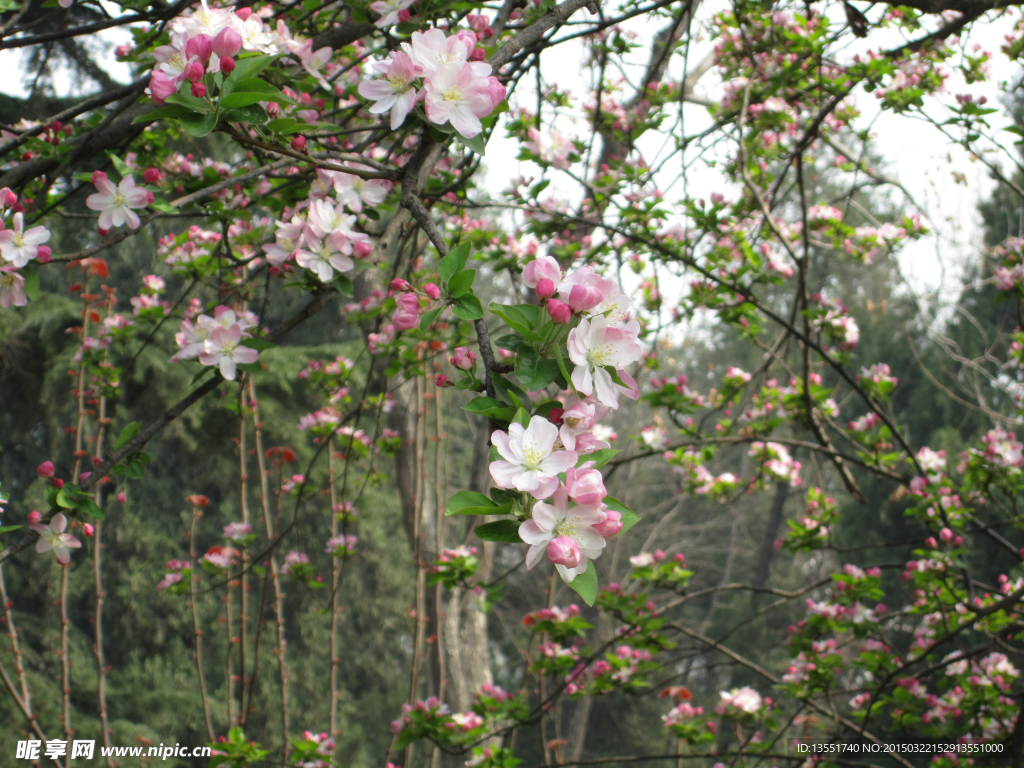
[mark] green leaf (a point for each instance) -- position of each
(161, 113)
(244, 70)
(6, 528)
(534, 372)
(120, 165)
(500, 530)
(254, 85)
(477, 144)
(471, 503)
(90, 508)
(63, 500)
(344, 285)
(429, 317)
(563, 370)
(522, 417)
(135, 470)
(586, 584)
(461, 282)
(31, 286)
(286, 125)
(189, 101)
(505, 496)
(198, 125)
(454, 262)
(602, 457)
(242, 99)
(468, 307)
(509, 341)
(509, 392)
(254, 114)
(249, 367)
(162, 205)
(516, 320)
(484, 406)
(629, 517)
(258, 344)
(130, 431)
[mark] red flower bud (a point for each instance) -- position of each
(45, 469)
(34, 518)
(545, 288)
(58, 483)
(398, 284)
(403, 15)
(432, 291)
(559, 311)
(88, 530)
(43, 254)
(299, 143)
(442, 381)
(227, 65)
(198, 90)
(152, 175)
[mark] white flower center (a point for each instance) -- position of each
(8, 280)
(397, 83)
(532, 455)
(228, 347)
(598, 356)
(453, 94)
(567, 527)
(119, 199)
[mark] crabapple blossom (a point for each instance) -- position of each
(563, 551)
(552, 147)
(745, 700)
(595, 346)
(407, 312)
(52, 536)
(611, 525)
(541, 268)
(396, 91)
(528, 461)
(456, 94)
(322, 258)
(223, 348)
(585, 484)
(354, 191)
(288, 239)
(559, 311)
(556, 520)
(464, 359)
(19, 246)
(12, 287)
(116, 204)
(237, 531)
(389, 10)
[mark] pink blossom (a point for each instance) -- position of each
(407, 313)
(237, 531)
(161, 86)
(464, 359)
(456, 94)
(389, 10)
(45, 469)
(541, 268)
(19, 246)
(355, 191)
(223, 348)
(12, 287)
(611, 525)
(564, 551)
(52, 536)
(528, 460)
(115, 204)
(396, 91)
(585, 484)
(559, 311)
(556, 520)
(594, 346)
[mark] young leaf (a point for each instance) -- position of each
(31, 286)
(468, 307)
(161, 113)
(244, 69)
(601, 457)
(522, 418)
(454, 262)
(500, 530)
(429, 317)
(466, 500)
(535, 372)
(130, 431)
(586, 584)
(461, 282)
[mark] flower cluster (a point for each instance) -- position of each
(456, 87)
(217, 340)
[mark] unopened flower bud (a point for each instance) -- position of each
(227, 65)
(194, 72)
(151, 175)
(34, 518)
(403, 15)
(432, 291)
(227, 43)
(545, 288)
(611, 525)
(198, 90)
(559, 311)
(299, 143)
(200, 47)
(273, 110)
(398, 284)
(88, 530)
(442, 381)
(564, 551)
(45, 469)
(43, 254)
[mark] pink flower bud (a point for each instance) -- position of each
(559, 311)
(545, 288)
(200, 47)
(34, 517)
(946, 535)
(464, 359)
(442, 381)
(496, 91)
(717, 198)
(227, 65)
(160, 87)
(564, 551)
(538, 269)
(194, 72)
(478, 54)
(121, 497)
(151, 175)
(88, 530)
(227, 42)
(403, 15)
(432, 291)
(150, 197)
(362, 249)
(103, 232)
(198, 90)
(398, 284)
(611, 525)
(243, 13)
(407, 313)
(299, 144)
(585, 485)
(556, 416)
(584, 297)
(273, 110)
(45, 469)
(98, 176)
(43, 254)
(931, 543)
(958, 540)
